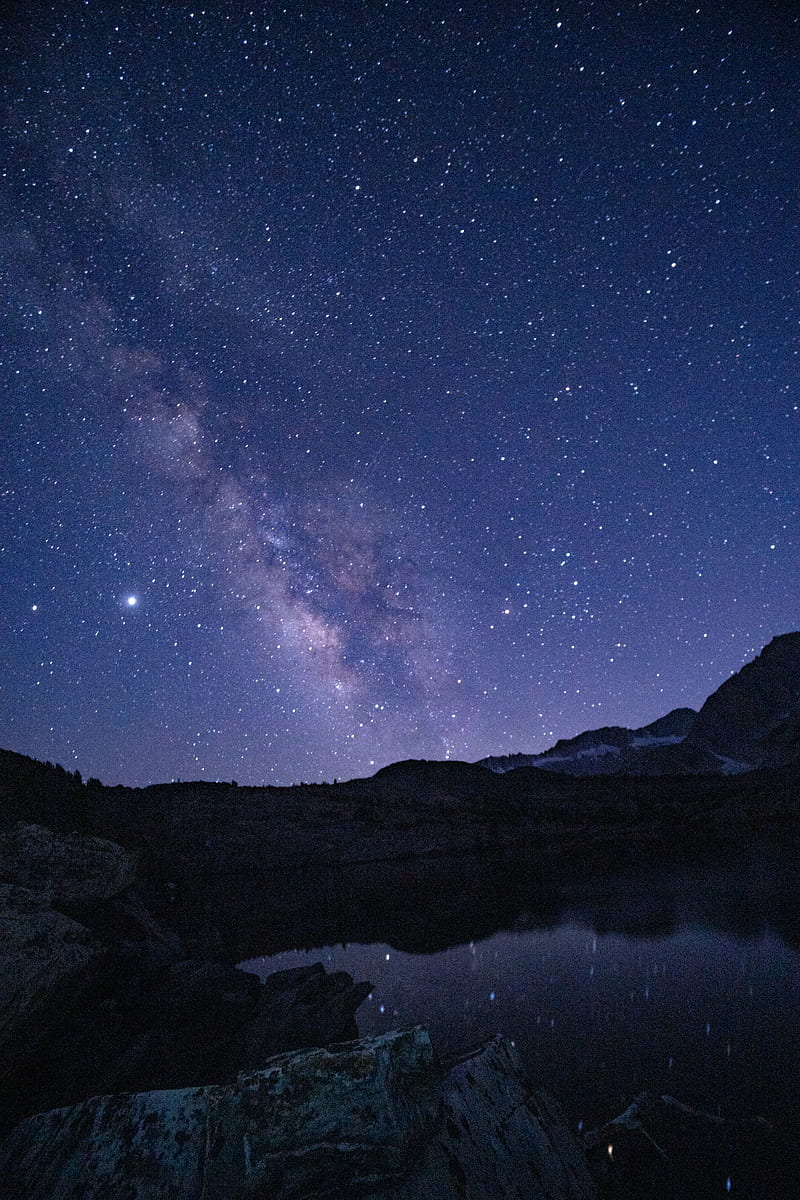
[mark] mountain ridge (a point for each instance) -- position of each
(751, 720)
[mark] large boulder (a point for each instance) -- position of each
(192, 1021)
(69, 870)
(44, 951)
(50, 962)
(378, 1118)
(44, 959)
(145, 1025)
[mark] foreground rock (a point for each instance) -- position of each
(377, 1118)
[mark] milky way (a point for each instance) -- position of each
(389, 380)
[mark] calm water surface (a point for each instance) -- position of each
(679, 983)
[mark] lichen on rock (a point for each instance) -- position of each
(377, 1118)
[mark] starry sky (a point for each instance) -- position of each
(386, 380)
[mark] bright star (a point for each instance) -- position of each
(132, 601)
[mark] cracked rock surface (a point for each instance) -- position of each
(377, 1118)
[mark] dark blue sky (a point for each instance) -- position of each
(389, 380)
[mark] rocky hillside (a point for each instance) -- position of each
(752, 720)
(183, 832)
(616, 750)
(754, 717)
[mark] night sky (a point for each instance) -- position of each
(389, 380)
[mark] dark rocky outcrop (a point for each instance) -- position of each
(45, 964)
(49, 960)
(71, 871)
(97, 995)
(151, 1026)
(378, 1118)
(754, 717)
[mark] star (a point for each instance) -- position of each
(343, 439)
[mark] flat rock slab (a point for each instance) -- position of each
(377, 1118)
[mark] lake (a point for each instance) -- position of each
(681, 978)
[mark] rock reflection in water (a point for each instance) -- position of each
(681, 981)
(598, 1018)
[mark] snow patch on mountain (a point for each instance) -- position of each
(589, 752)
(730, 766)
(637, 742)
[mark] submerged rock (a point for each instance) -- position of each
(659, 1149)
(378, 1118)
